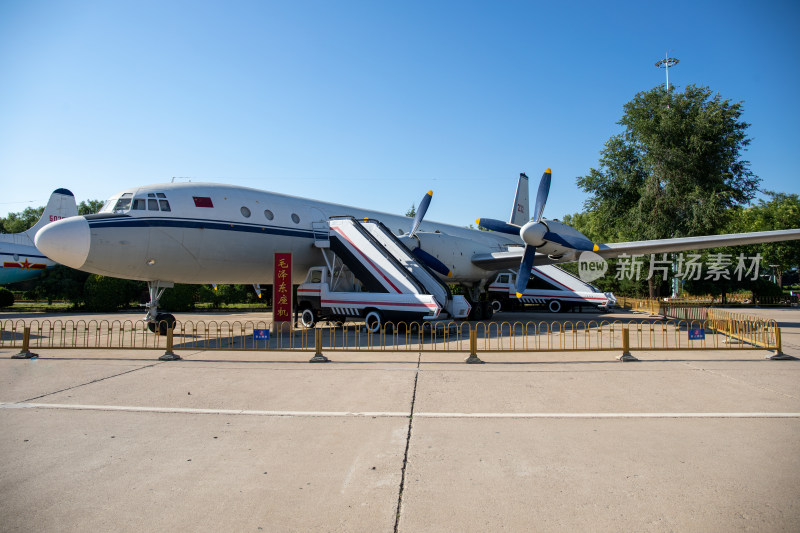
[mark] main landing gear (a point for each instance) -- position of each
(481, 309)
(158, 322)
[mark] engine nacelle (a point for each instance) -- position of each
(455, 252)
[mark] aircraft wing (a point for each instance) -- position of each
(511, 259)
(615, 249)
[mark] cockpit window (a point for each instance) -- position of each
(124, 203)
(156, 200)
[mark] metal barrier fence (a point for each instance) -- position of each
(731, 301)
(722, 330)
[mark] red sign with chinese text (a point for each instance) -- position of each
(282, 288)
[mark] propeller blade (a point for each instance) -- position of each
(431, 262)
(570, 241)
(498, 225)
(525, 267)
(421, 210)
(541, 195)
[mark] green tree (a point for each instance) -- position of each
(6, 297)
(19, 222)
(412, 212)
(675, 171)
(60, 283)
(780, 211)
(89, 207)
(180, 298)
(103, 293)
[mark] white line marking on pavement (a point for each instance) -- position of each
(194, 411)
(381, 414)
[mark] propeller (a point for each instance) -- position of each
(420, 214)
(423, 256)
(535, 234)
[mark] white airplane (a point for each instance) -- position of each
(205, 233)
(21, 260)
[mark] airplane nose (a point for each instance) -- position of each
(65, 241)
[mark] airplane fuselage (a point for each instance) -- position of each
(212, 233)
(21, 262)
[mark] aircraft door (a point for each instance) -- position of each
(302, 259)
(317, 215)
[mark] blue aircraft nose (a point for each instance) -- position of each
(65, 241)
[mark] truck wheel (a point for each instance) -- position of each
(497, 306)
(373, 320)
(308, 318)
(554, 306)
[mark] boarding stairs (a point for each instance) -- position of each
(379, 260)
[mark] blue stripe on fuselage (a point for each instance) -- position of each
(136, 222)
(23, 255)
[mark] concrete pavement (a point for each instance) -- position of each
(243, 441)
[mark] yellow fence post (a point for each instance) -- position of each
(318, 357)
(169, 355)
(473, 348)
(779, 355)
(25, 353)
(626, 346)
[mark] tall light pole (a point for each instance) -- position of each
(665, 64)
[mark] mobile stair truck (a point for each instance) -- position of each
(371, 275)
(549, 286)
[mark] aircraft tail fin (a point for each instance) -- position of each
(520, 213)
(61, 205)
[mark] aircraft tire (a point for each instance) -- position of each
(488, 310)
(554, 306)
(308, 318)
(373, 321)
(163, 322)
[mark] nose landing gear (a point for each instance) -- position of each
(157, 322)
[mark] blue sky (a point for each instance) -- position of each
(369, 103)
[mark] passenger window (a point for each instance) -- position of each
(268, 214)
(164, 205)
(245, 212)
(295, 218)
(152, 204)
(139, 204)
(124, 203)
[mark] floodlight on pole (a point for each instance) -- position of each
(665, 64)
